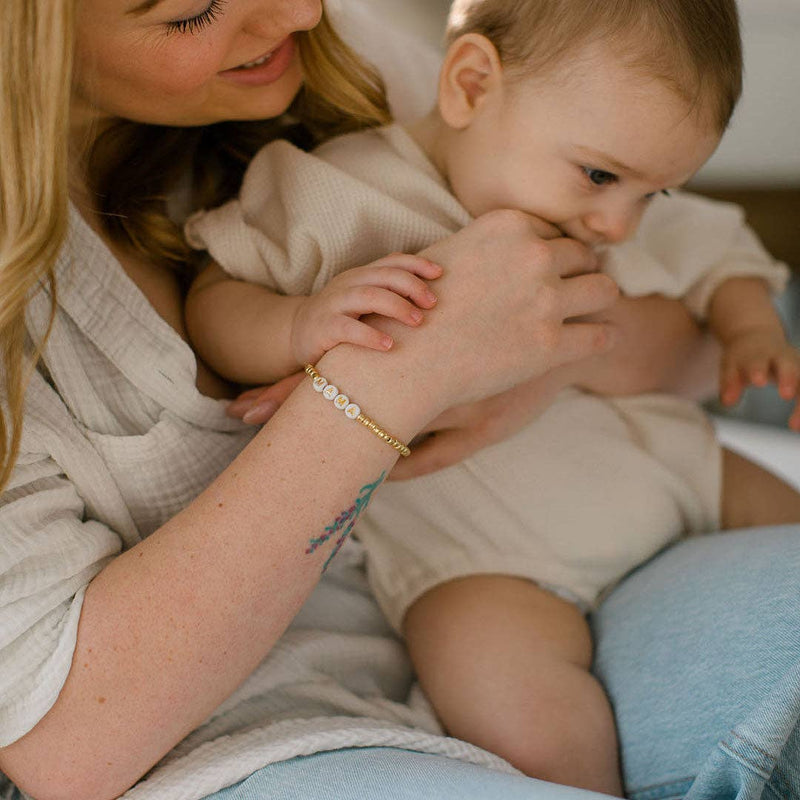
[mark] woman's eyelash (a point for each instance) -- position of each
(199, 21)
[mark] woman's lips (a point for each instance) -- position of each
(265, 69)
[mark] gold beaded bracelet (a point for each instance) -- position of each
(352, 411)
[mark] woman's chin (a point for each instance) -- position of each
(246, 102)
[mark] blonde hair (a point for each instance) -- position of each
(694, 46)
(132, 168)
(35, 56)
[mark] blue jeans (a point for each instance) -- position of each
(700, 653)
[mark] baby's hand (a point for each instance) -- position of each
(755, 357)
(394, 286)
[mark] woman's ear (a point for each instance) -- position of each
(471, 71)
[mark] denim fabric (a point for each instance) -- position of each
(700, 653)
(384, 772)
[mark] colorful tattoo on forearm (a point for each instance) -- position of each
(344, 523)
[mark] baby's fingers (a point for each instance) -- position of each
(794, 420)
(353, 331)
(386, 302)
(731, 384)
(393, 280)
(417, 265)
(756, 370)
(787, 376)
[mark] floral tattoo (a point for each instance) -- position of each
(342, 526)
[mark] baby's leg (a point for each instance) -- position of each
(506, 666)
(752, 496)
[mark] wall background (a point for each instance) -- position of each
(758, 162)
(763, 143)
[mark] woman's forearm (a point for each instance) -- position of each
(170, 628)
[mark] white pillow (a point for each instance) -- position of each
(776, 449)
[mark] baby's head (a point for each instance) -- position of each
(580, 111)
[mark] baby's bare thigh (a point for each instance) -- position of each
(512, 611)
(506, 666)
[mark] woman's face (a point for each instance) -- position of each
(187, 62)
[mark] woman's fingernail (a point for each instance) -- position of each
(238, 407)
(260, 412)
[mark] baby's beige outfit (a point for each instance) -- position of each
(580, 496)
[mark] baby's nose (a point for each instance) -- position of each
(612, 225)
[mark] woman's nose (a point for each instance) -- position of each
(272, 19)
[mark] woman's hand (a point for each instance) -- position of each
(658, 347)
(508, 301)
(257, 405)
(464, 430)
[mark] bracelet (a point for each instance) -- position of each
(352, 411)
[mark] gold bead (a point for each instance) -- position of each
(403, 449)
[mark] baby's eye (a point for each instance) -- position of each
(599, 177)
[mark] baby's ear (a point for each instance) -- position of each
(471, 71)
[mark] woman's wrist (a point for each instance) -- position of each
(388, 387)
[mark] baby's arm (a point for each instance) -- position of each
(250, 334)
(754, 345)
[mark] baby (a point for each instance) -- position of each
(582, 114)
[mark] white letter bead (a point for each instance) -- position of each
(351, 410)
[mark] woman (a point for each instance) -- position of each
(144, 579)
